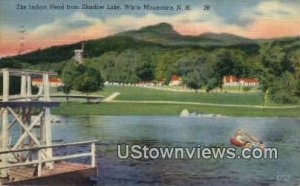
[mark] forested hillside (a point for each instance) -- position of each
(157, 52)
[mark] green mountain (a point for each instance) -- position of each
(161, 36)
(164, 34)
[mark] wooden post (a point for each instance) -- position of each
(5, 123)
(5, 84)
(23, 86)
(47, 120)
(29, 86)
(93, 152)
(40, 162)
(46, 87)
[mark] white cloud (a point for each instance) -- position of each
(62, 25)
(273, 9)
(116, 24)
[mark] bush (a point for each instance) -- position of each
(284, 96)
(246, 89)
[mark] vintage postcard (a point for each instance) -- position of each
(150, 92)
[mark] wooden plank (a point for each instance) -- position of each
(5, 84)
(20, 97)
(58, 158)
(4, 141)
(29, 91)
(64, 173)
(23, 86)
(22, 137)
(51, 146)
(23, 125)
(20, 72)
(17, 104)
(76, 96)
(93, 152)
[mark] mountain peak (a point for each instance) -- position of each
(223, 36)
(162, 27)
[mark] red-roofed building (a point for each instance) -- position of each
(234, 81)
(54, 82)
(175, 80)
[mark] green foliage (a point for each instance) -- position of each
(14, 85)
(157, 52)
(49, 55)
(279, 74)
(145, 70)
(195, 68)
(34, 89)
(128, 66)
(222, 63)
(193, 80)
(81, 78)
(89, 81)
(69, 72)
(294, 59)
(246, 88)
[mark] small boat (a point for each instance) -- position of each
(248, 144)
(235, 142)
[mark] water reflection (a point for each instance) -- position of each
(282, 133)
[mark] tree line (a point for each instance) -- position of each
(276, 64)
(277, 69)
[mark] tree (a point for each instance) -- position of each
(195, 70)
(81, 78)
(284, 90)
(294, 59)
(90, 81)
(229, 62)
(144, 71)
(69, 72)
(272, 67)
(193, 80)
(165, 65)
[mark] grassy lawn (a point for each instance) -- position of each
(166, 109)
(146, 94)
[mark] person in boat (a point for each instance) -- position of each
(245, 140)
(238, 138)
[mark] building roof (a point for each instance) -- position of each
(175, 78)
(51, 80)
(249, 80)
(228, 79)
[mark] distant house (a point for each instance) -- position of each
(54, 82)
(234, 81)
(175, 80)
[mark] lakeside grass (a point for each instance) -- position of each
(132, 94)
(111, 108)
(148, 94)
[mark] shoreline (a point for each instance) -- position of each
(170, 109)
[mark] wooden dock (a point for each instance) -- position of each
(63, 173)
(35, 172)
(30, 160)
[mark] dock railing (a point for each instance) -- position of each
(40, 160)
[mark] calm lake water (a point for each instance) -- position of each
(157, 131)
